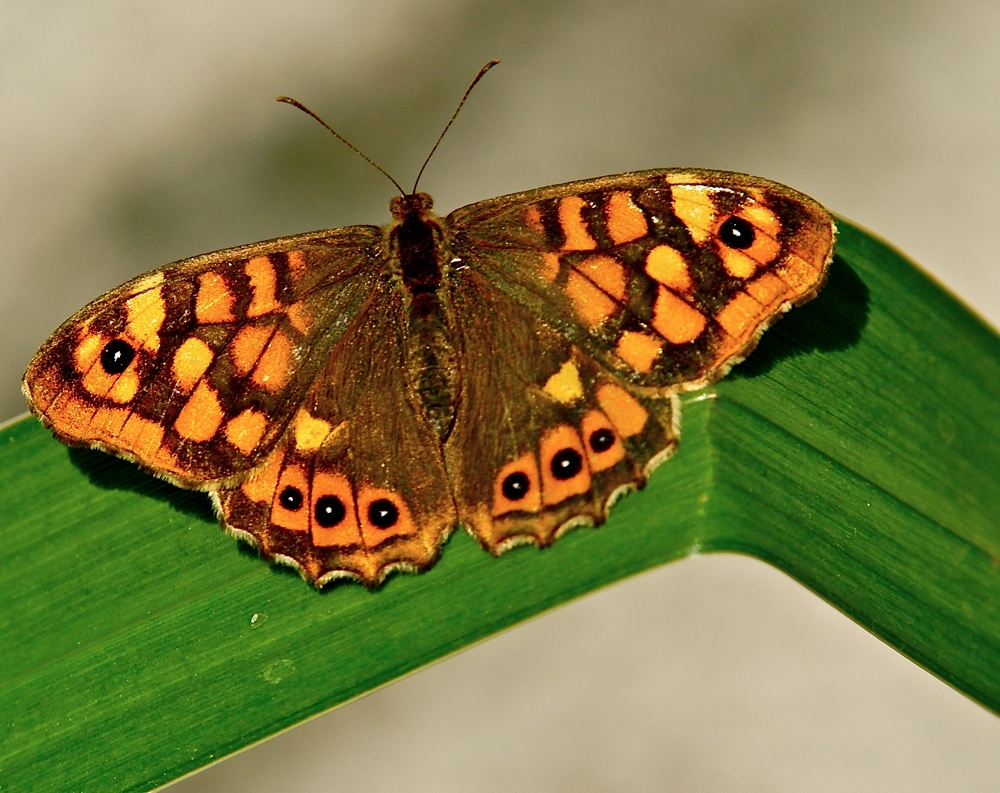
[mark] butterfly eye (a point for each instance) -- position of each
(383, 513)
(116, 356)
(566, 463)
(330, 511)
(516, 486)
(291, 498)
(737, 233)
(601, 440)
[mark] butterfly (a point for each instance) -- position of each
(349, 397)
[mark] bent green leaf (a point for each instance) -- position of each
(857, 450)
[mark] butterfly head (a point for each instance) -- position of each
(418, 205)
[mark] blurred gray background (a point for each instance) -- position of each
(133, 134)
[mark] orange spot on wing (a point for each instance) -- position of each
(97, 382)
(533, 217)
(275, 364)
(605, 271)
(144, 439)
(261, 486)
(625, 411)
(532, 501)
(293, 475)
(565, 385)
(374, 535)
(201, 416)
(146, 314)
(638, 350)
(299, 316)
(246, 347)
(694, 207)
(89, 350)
(71, 416)
(296, 263)
(245, 430)
(263, 284)
(573, 225)
(347, 531)
(762, 218)
(593, 422)
(555, 490)
(107, 423)
(799, 274)
(77, 418)
(191, 361)
(737, 263)
(214, 301)
(125, 387)
(147, 282)
(549, 268)
(677, 321)
(592, 305)
(768, 289)
(666, 265)
(764, 250)
(310, 432)
(740, 316)
(625, 221)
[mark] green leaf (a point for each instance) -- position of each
(857, 450)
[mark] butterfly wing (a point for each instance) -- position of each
(615, 294)
(195, 369)
(356, 486)
(545, 436)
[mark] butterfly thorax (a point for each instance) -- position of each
(417, 246)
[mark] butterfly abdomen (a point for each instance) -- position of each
(416, 239)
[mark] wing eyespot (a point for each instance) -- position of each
(383, 514)
(117, 356)
(329, 511)
(565, 464)
(601, 440)
(291, 499)
(737, 233)
(515, 486)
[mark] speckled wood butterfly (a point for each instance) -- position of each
(350, 396)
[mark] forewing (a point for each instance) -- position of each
(666, 277)
(357, 485)
(209, 356)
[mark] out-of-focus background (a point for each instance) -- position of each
(135, 134)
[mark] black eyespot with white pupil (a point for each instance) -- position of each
(737, 233)
(601, 440)
(291, 498)
(515, 486)
(330, 511)
(566, 463)
(382, 513)
(116, 356)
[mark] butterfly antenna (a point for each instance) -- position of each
(295, 103)
(447, 126)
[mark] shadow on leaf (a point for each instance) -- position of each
(112, 473)
(833, 321)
